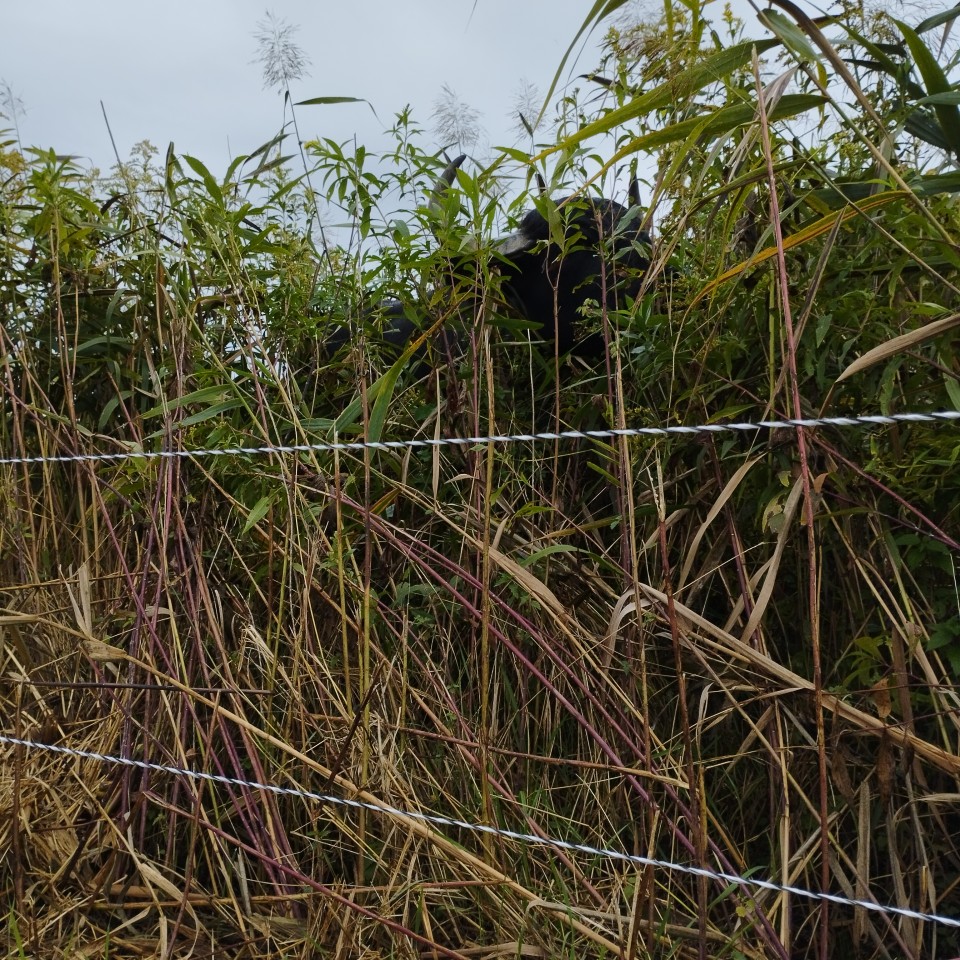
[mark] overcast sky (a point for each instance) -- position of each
(184, 71)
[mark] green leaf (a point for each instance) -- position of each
(380, 393)
(268, 146)
(953, 391)
(266, 165)
(951, 96)
(950, 14)
(921, 125)
(213, 188)
(381, 402)
(170, 168)
(810, 232)
(937, 183)
(791, 35)
(539, 555)
(317, 101)
(883, 62)
(717, 124)
(94, 346)
(216, 410)
(599, 11)
(881, 57)
(258, 511)
(717, 66)
(204, 395)
(937, 82)
(521, 156)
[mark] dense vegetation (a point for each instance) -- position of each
(735, 651)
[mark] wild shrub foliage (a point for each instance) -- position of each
(736, 652)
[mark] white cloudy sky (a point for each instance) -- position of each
(182, 70)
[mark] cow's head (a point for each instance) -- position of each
(564, 256)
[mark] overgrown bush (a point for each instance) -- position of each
(735, 651)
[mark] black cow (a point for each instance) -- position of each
(602, 260)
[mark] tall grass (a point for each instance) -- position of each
(733, 653)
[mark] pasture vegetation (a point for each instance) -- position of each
(736, 651)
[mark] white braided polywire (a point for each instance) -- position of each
(435, 819)
(358, 445)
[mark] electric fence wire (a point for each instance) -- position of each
(350, 446)
(438, 820)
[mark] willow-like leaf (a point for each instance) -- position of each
(936, 82)
(713, 68)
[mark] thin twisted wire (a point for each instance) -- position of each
(435, 819)
(940, 416)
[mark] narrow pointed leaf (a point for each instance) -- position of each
(599, 11)
(945, 15)
(213, 188)
(808, 233)
(936, 81)
(791, 35)
(317, 101)
(898, 344)
(715, 67)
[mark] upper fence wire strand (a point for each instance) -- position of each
(867, 420)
